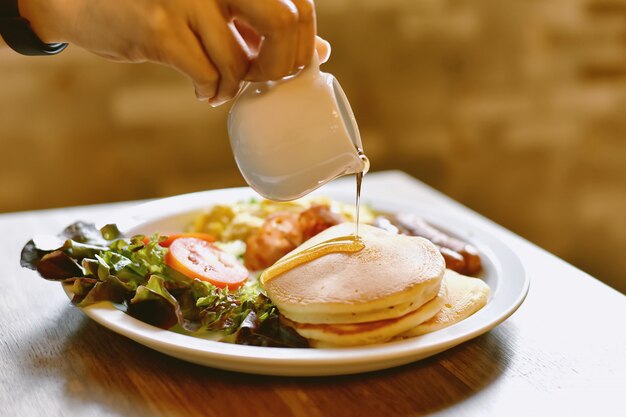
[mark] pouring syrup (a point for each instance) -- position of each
(343, 244)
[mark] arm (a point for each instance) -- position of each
(216, 43)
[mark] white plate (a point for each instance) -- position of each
(502, 271)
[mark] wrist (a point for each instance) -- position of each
(46, 18)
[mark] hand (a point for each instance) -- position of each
(216, 43)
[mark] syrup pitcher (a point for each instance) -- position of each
(294, 135)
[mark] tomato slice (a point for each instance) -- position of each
(170, 238)
(197, 258)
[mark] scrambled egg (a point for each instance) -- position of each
(238, 221)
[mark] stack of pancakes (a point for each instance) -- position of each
(396, 286)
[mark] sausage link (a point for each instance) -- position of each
(454, 260)
(418, 227)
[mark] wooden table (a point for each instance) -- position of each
(562, 353)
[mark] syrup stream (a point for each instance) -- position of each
(345, 244)
(359, 180)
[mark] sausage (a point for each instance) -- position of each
(279, 235)
(284, 231)
(318, 218)
(454, 260)
(418, 227)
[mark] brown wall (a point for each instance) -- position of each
(517, 108)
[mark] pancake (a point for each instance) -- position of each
(341, 335)
(465, 296)
(391, 277)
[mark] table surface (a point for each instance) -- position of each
(562, 353)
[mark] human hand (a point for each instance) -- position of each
(216, 43)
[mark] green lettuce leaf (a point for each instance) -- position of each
(78, 241)
(101, 265)
(83, 232)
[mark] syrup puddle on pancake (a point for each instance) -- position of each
(343, 244)
(346, 244)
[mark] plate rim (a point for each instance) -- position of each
(311, 361)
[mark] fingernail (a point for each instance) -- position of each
(325, 46)
(216, 102)
(200, 96)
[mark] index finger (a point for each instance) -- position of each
(276, 21)
(306, 32)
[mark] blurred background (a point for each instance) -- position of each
(516, 108)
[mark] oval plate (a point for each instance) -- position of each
(503, 272)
